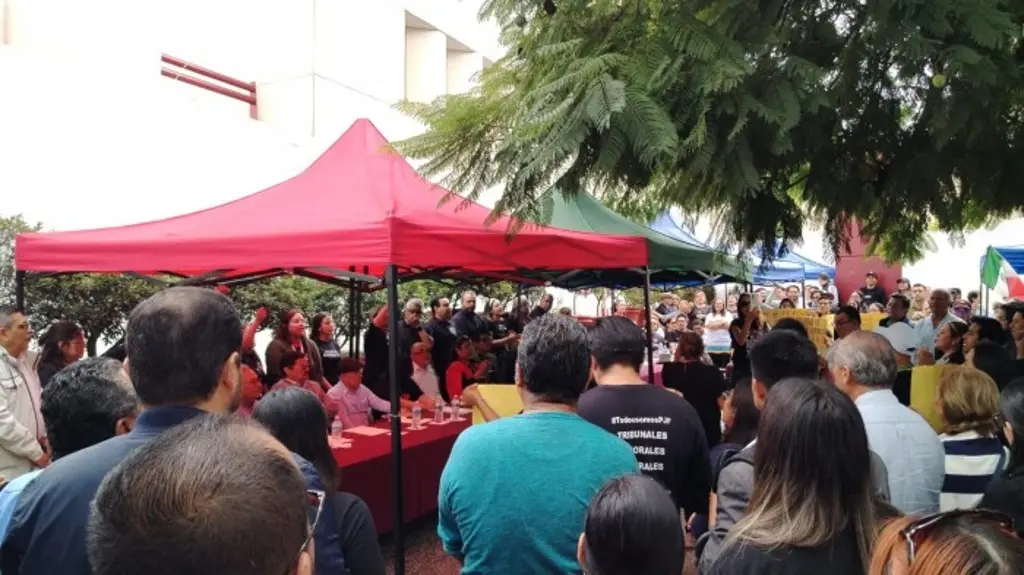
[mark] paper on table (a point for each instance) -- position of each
(366, 430)
(336, 442)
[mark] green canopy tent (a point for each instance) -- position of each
(670, 261)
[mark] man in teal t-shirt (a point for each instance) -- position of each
(515, 491)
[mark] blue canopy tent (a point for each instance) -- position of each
(812, 269)
(780, 271)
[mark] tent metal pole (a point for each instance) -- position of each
(19, 289)
(647, 319)
(391, 281)
(352, 332)
(612, 306)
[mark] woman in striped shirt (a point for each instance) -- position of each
(968, 401)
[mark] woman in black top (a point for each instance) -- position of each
(321, 331)
(993, 360)
(812, 510)
(701, 384)
(63, 344)
(1006, 492)
(742, 331)
(298, 420)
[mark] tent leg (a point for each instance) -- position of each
(391, 282)
(353, 332)
(19, 289)
(612, 305)
(519, 298)
(647, 320)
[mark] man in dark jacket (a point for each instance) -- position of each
(871, 292)
(183, 349)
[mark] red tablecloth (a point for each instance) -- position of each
(366, 469)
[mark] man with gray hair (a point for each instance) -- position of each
(929, 327)
(863, 366)
(22, 431)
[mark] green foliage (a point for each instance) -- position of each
(762, 115)
(98, 303)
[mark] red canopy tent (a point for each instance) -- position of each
(359, 204)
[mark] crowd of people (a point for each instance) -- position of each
(188, 455)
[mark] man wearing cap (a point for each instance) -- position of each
(352, 400)
(903, 339)
(871, 292)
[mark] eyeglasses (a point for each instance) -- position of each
(914, 533)
(314, 508)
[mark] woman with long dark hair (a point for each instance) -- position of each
(631, 527)
(63, 344)
(740, 417)
(321, 331)
(950, 341)
(291, 334)
(812, 510)
(743, 331)
(461, 374)
(700, 384)
(298, 420)
(1006, 493)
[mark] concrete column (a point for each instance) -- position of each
(426, 64)
(462, 69)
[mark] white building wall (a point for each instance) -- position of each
(91, 135)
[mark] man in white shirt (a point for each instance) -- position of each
(21, 425)
(422, 373)
(939, 302)
(864, 367)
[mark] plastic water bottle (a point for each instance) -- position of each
(336, 427)
(417, 414)
(439, 411)
(455, 409)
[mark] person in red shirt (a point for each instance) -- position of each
(460, 375)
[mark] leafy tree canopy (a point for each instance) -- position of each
(763, 116)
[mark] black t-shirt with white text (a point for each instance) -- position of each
(666, 435)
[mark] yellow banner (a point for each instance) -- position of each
(924, 384)
(502, 397)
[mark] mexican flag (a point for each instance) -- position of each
(997, 275)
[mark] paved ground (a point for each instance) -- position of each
(424, 555)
